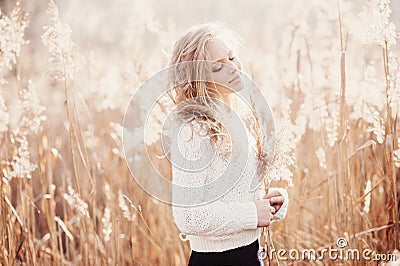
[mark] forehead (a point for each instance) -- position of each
(217, 49)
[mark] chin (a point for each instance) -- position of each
(238, 87)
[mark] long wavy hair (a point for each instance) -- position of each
(198, 99)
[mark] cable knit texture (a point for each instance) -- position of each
(222, 214)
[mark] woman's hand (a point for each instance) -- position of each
(265, 212)
(275, 198)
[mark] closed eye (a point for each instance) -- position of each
(217, 66)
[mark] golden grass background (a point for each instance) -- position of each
(67, 197)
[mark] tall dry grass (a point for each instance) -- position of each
(330, 72)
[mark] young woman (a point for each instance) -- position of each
(214, 155)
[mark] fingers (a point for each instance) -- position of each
(272, 210)
(272, 193)
(265, 212)
(277, 200)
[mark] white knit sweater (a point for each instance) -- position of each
(231, 220)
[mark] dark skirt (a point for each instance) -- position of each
(246, 256)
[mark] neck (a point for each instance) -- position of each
(226, 99)
(224, 107)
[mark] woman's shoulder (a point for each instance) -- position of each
(191, 138)
(190, 127)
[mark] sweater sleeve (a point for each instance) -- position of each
(211, 219)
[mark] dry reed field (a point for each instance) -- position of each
(330, 71)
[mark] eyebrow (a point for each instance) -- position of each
(222, 59)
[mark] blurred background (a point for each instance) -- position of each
(69, 68)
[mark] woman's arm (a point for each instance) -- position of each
(218, 217)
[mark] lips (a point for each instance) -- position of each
(236, 78)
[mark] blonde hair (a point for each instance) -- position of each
(197, 99)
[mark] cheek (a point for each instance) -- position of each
(219, 77)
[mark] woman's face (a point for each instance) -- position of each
(225, 68)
